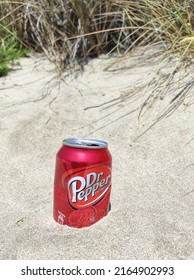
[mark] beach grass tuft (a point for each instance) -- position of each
(71, 32)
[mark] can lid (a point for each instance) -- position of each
(85, 143)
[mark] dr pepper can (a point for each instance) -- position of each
(82, 184)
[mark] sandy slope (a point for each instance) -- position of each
(152, 214)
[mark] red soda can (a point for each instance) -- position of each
(82, 184)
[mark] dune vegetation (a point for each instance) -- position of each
(70, 32)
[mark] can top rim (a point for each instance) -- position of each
(85, 143)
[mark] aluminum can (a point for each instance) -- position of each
(82, 184)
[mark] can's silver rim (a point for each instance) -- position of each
(85, 143)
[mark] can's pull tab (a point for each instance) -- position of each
(89, 144)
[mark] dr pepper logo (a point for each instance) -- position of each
(88, 186)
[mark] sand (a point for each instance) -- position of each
(152, 197)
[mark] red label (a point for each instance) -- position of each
(88, 186)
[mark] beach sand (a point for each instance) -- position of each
(152, 215)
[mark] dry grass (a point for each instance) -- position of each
(72, 31)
